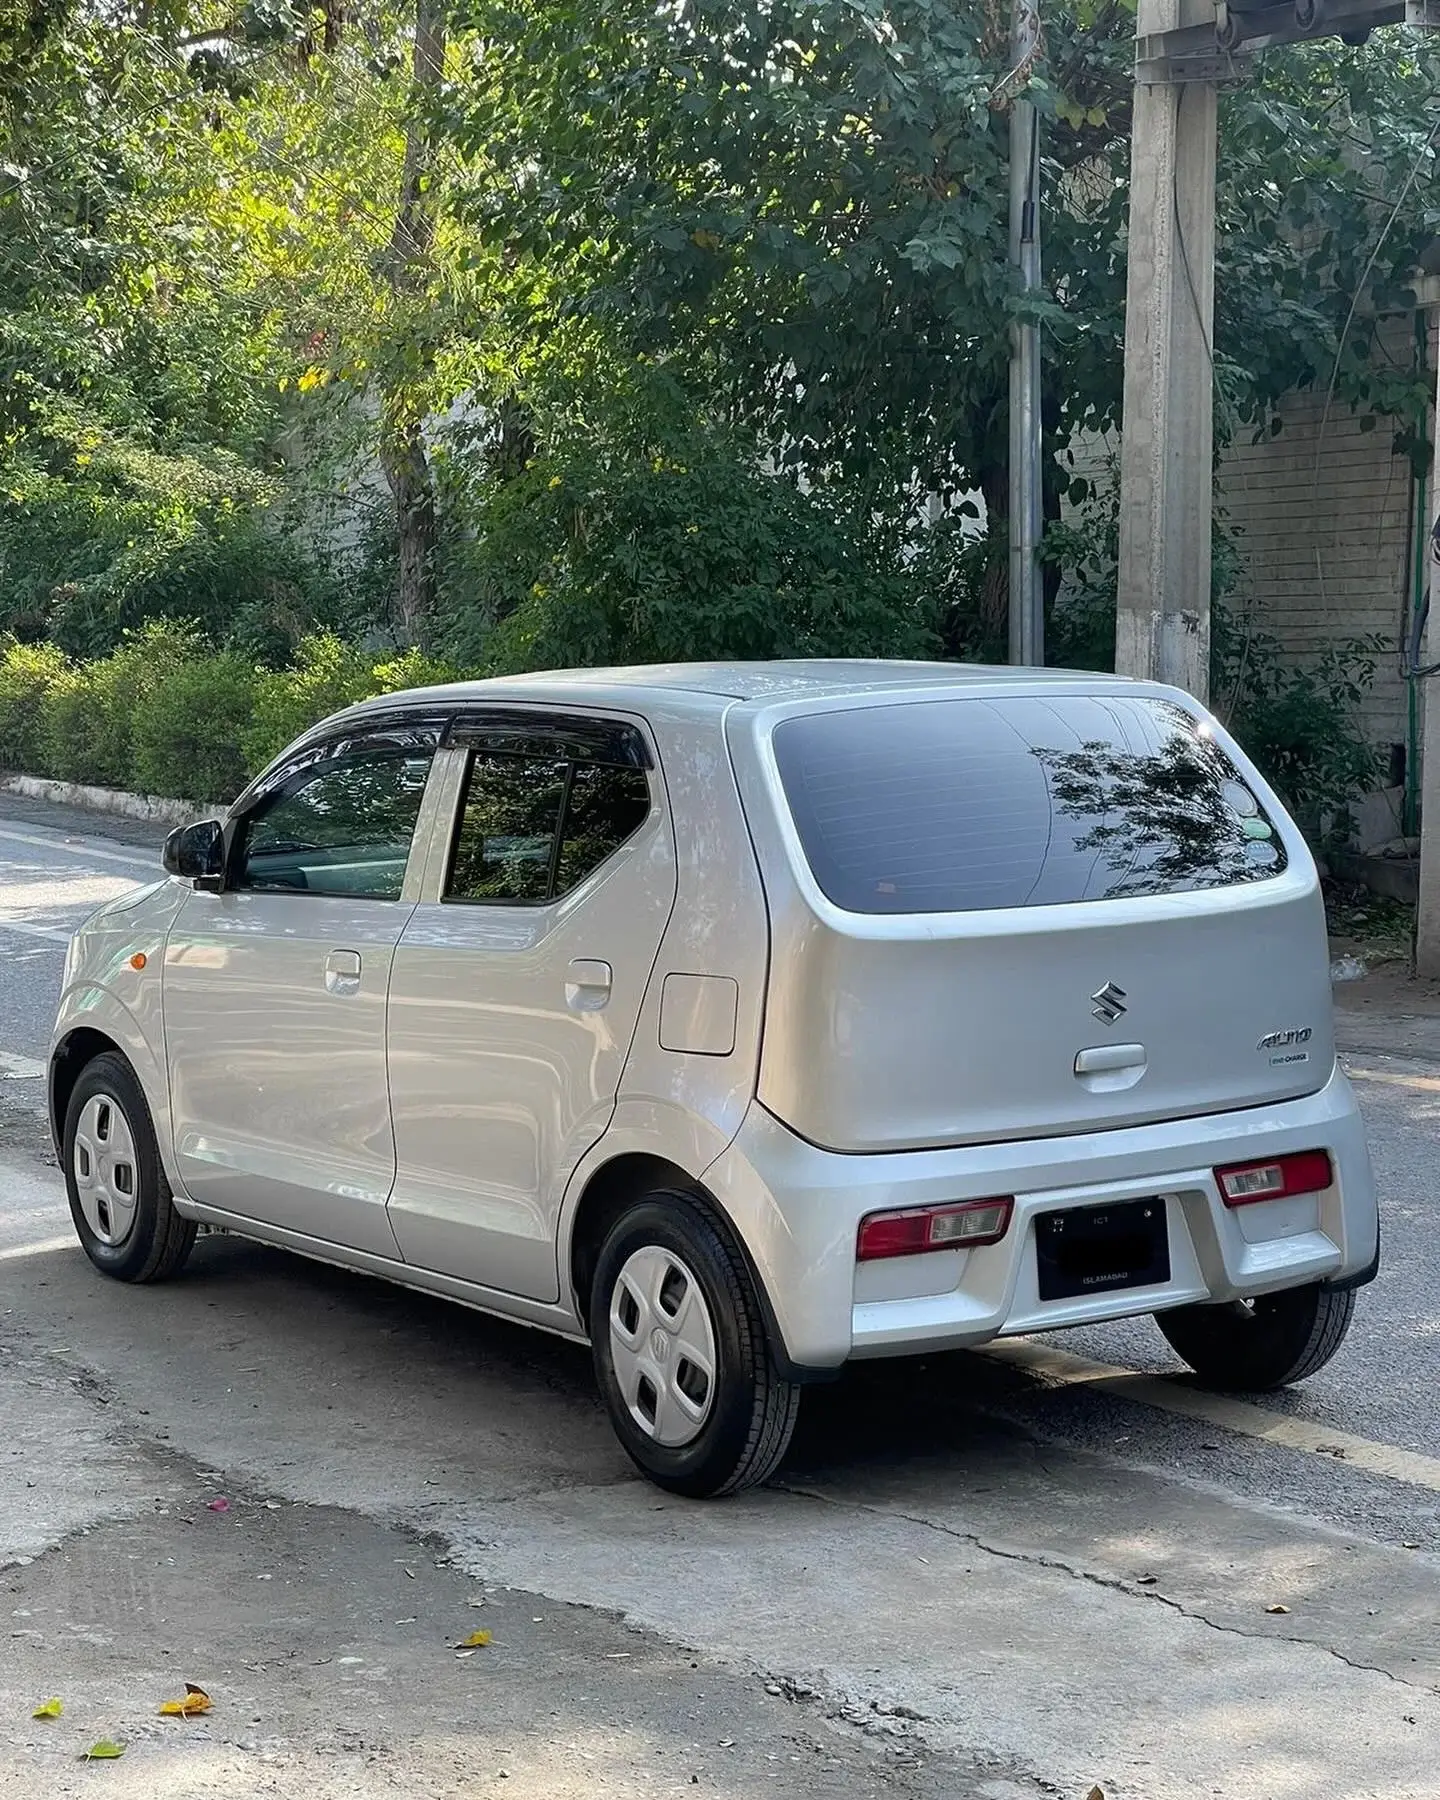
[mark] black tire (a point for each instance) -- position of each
(1257, 1346)
(752, 1407)
(158, 1242)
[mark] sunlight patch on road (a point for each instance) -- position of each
(1057, 1368)
(42, 1247)
(1426, 1084)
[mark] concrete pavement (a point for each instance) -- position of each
(971, 1579)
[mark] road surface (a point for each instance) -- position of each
(997, 1576)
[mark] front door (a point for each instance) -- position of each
(275, 990)
(515, 994)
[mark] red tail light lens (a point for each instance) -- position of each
(922, 1228)
(1307, 1172)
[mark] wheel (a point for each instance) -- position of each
(681, 1352)
(1309, 14)
(119, 1197)
(1256, 1345)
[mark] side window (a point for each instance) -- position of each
(506, 844)
(606, 806)
(533, 827)
(340, 827)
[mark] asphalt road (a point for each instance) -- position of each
(976, 1577)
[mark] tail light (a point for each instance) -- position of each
(921, 1228)
(1307, 1172)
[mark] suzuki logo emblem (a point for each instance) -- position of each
(1109, 1003)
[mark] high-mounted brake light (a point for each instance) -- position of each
(920, 1228)
(1307, 1172)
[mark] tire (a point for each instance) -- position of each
(120, 1199)
(691, 1433)
(1257, 1346)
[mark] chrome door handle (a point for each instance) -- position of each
(342, 972)
(587, 984)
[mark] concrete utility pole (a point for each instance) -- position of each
(1162, 626)
(1027, 498)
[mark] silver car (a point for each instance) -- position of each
(743, 1020)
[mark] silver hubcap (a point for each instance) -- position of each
(103, 1163)
(662, 1346)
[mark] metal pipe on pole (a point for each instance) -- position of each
(1027, 507)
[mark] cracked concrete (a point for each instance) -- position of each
(940, 1577)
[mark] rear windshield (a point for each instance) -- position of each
(974, 804)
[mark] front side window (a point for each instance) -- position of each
(533, 827)
(973, 804)
(340, 827)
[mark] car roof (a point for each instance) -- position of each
(721, 682)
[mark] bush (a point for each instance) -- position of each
(187, 737)
(327, 675)
(27, 673)
(89, 712)
(701, 555)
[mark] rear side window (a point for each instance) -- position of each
(534, 827)
(975, 804)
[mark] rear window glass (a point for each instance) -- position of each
(970, 805)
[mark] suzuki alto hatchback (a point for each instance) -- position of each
(743, 1020)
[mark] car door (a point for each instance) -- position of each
(275, 990)
(517, 987)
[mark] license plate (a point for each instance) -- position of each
(1095, 1249)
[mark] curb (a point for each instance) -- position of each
(114, 801)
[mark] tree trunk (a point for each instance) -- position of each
(412, 487)
(403, 455)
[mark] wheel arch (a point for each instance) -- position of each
(630, 1177)
(68, 1061)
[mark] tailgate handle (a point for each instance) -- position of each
(1109, 1059)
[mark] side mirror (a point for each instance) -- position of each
(196, 853)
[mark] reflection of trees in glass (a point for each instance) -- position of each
(1161, 819)
(363, 808)
(507, 834)
(512, 814)
(606, 807)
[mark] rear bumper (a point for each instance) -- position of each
(797, 1209)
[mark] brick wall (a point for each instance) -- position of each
(1322, 520)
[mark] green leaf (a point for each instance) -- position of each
(106, 1750)
(48, 1709)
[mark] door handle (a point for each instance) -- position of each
(587, 984)
(1110, 1068)
(342, 972)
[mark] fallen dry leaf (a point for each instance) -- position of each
(105, 1751)
(48, 1709)
(1096, 1793)
(477, 1640)
(196, 1701)
(220, 1505)
(1277, 1609)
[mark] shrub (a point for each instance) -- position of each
(27, 673)
(187, 737)
(327, 675)
(89, 711)
(703, 555)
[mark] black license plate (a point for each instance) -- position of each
(1094, 1249)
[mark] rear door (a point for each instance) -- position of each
(517, 987)
(1030, 915)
